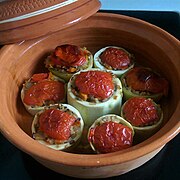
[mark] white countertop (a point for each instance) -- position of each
(148, 5)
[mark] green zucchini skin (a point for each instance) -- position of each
(63, 75)
(90, 111)
(99, 65)
(128, 92)
(72, 142)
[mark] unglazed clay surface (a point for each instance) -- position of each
(151, 46)
(24, 20)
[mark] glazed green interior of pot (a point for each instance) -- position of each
(154, 51)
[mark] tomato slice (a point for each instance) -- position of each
(143, 79)
(39, 77)
(118, 59)
(68, 56)
(56, 124)
(43, 91)
(140, 111)
(110, 137)
(97, 84)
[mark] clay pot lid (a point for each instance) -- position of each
(28, 19)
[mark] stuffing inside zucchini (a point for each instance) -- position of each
(94, 93)
(58, 127)
(42, 89)
(144, 82)
(114, 59)
(68, 59)
(110, 133)
(144, 114)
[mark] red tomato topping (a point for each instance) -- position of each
(142, 79)
(43, 91)
(97, 84)
(68, 56)
(111, 137)
(116, 58)
(56, 124)
(39, 77)
(140, 111)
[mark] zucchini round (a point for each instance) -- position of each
(68, 67)
(117, 71)
(144, 82)
(91, 110)
(39, 103)
(145, 116)
(117, 134)
(76, 128)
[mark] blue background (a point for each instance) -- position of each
(149, 5)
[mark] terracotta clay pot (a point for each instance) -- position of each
(151, 46)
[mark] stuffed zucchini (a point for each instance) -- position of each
(144, 82)
(114, 59)
(59, 126)
(110, 133)
(144, 114)
(42, 89)
(94, 93)
(68, 59)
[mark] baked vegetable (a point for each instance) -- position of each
(94, 93)
(68, 59)
(41, 90)
(144, 114)
(114, 59)
(110, 133)
(144, 82)
(59, 126)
